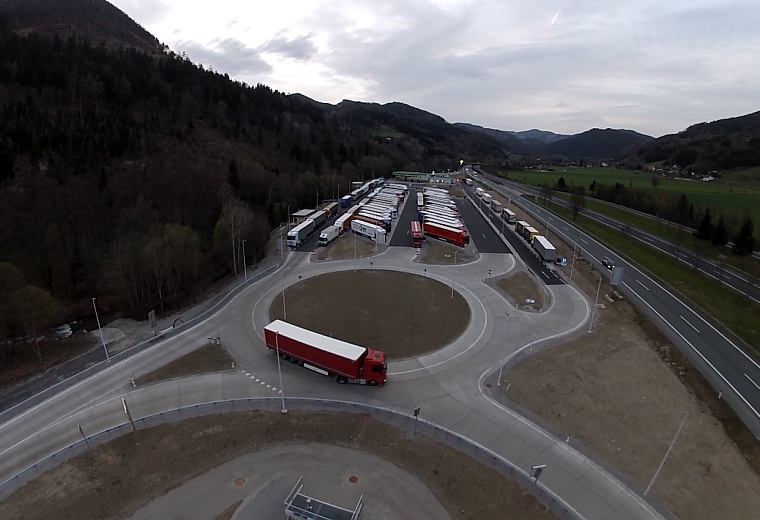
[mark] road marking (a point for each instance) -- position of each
(689, 324)
(563, 227)
(641, 284)
(647, 239)
(546, 275)
(683, 254)
(582, 240)
(751, 381)
(744, 400)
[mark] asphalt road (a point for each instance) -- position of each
(527, 253)
(401, 237)
(486, 240)
(723, 363)
(740, 282)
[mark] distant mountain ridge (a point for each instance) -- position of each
(598, 143)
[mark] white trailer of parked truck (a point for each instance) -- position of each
(299, 233)
(544, 248)
(329, 234)
(371, 231)
(509, 216)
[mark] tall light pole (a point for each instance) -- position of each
(670, 448)
(593, 312)
(453, 273)
(284, 312)
(102, 339)
(279, 369)
(245, 268)
(354, 251)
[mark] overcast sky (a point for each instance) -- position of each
(561, 65)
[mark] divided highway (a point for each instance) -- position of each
(724, 364)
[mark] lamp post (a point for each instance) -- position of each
(279, 369)
(284, 312)
(245, 268)
(354, 251)
(593, 311)
(102, 339)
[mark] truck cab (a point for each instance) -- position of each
(375, 367)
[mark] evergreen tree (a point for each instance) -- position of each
(561, 184)
(705, 230)
(719, 235)
(744, 242)
(233, 177)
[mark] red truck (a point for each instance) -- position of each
(458, 237)
(327, 356)
(416, 234)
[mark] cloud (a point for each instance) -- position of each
(145, 12)
(229, 56)
(300, 48)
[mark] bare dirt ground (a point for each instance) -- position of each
(440, 253)
(211, 357)
(342, 248)
(116, 479)
(403, 314)
(519, 288)
(611, 391)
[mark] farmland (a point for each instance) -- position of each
(739, 192)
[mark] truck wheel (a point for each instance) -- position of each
(373, 383)
(293, 360)
(284, 356)
(342, 380)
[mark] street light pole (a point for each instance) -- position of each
(102, 339)
(245, 268)
(279, 370)
(593, 311)
(354, 251)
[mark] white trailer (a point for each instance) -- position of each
(496, 207)
(299, 233)
(353, 209)
(319, 218)
(509, 216)
(487, 198)
(479, 191)
(443, 221)
(344, 221)
(368, 230)
(544, 248)
(329, 234)
(401, 187)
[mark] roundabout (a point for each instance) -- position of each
(444, 383)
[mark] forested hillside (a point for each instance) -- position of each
(719, 145)
(134, 176)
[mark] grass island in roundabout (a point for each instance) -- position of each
(405, 315)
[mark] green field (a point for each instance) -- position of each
(737, 313)
(671, 233)
(738, 193)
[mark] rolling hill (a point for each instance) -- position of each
(597, 143)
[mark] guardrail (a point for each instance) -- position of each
(405, 422)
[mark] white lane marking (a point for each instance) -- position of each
(751, 381)
(647, 238)
(563, 227)
(546, 275)
(582, 240)
(695, 350)
(689, 324)
(641, 284)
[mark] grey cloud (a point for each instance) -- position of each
(230, 56)
(144, 12)
(300, 48)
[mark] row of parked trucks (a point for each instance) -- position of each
(439, 218)
(372, 216)
(541, 244)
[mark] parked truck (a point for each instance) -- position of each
(416, 233)
(520, 227)
(344, 221)
(332, 209)
(299, 233)
(319, 218)
(479, 191)
(529, 233)
(368, 230)
(487, 198)
(544, 248)
(458, 237)
(509, 216)
(329, 234)
(496, 207)
(346, 201)
(375, 220)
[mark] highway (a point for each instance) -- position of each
(724, 364)
(740, 282)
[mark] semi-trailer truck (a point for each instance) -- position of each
(479, 191)
(509, 216)
(375, 220)
(346, 201)
(344, 221)
(346, 362)
(496, 207)
(544, 248)
(416, 233)
(299, 233)
(458, 237)
(332, 209)
(329, 234)
(529, 233)
(520, 227)
(487, 198)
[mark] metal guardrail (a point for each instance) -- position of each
(405, 422)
